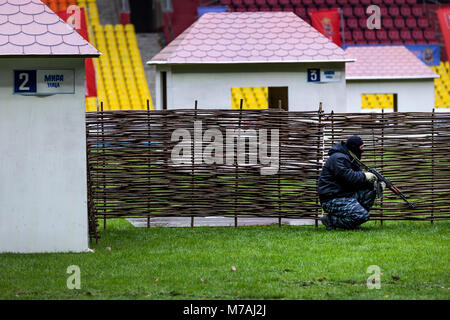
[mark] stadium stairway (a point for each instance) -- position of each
(120, 77)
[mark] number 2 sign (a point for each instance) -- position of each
(25, 81)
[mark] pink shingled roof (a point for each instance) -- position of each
(29, 27)
(386, 62)
(249, 37)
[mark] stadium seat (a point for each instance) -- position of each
(249, 2)
(359, 11)
(417, 35)
(301, 12)
(422, 22)
(272, 2)
(357, 36)
(277, 8)
(308, 2)
(429, 35)
(417, 11)
(400, 2)
(384, 12)
(411, 2)
(331, 3)
(411, 23)
(387, 22)
(394, 11)
(405, 11)
(382, 36)
(362, 23)
(225, 2)
(352, 23)
(353, 2)
(394, 35)
(388, 2)
(347, 36)
(261, 2)
(370, 36)
(405, 35)
(399, 22)
(237, 3)
(347, 11)
(252, 9)
(284, 2)
(319, 2)
(342, 2)
(296, 3)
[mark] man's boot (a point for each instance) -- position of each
(326, 221)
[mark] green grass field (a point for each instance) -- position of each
(266, 262)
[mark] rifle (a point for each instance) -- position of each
(380, 179)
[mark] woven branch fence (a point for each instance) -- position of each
(132, 171)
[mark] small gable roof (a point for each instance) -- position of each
(29, 27)
(386, 62)
(250, 37)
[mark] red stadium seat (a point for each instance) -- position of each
(388, 2)
(241, 9)
(357, 36)
(387, 22)
(331, 3)
(362, 23)
(359, 11)
(284, 2)
(394, 11)
(319, 2)
(400, 2)
(296, 3)
(411, 23)
(261, 2)
(422, 22)
(370, 36)
(366, 3)
(307, 2)
(252, 9)
(353, 2)
(342, 2)
(272, 2)
(429, 35)
(377, 2)
(417, 10)
(417, 35)
(405, 11)
(399, 23)
(384, 12)
(249, 2)
(411, 2)
(394, 35)
(265, 8)
(277, 8)
(405, 34)
(347, 35)
(225, 2)
(382, 36)
(237, 2)
(288, 8)
(347, 11)
(352, 23)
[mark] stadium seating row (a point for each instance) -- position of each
(377, 101)
(317, 2)
(120, 77)
(442, 85)
(253, 98)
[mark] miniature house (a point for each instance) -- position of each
(43, 188)
(278, 51)
(390, 78)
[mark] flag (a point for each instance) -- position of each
(327, 23)
(444, 20)
(81, 28)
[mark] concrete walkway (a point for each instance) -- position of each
(215, 222)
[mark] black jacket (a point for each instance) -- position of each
(341, 176)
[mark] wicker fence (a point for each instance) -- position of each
(133, 171)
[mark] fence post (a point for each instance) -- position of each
(319, 135)
(280, 109)
(432, 167)
(192, 165)
(236, 177)
(103, 167)
(149, 164)
(382, 163)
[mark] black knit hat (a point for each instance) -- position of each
(353, 143)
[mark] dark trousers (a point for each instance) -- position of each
(350, 212)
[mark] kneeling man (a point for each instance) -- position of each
(346, 193)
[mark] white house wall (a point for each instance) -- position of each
(412, 95)
(43, 191)
(211, 85)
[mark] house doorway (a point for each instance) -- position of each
(278, 97)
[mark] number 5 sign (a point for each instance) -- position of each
(25, 81)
